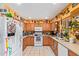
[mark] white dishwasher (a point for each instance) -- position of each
(62, 51)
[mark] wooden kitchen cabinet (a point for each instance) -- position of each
(55, 48)
(47, 27)
(28, 41)
(71, 53)
(26, 27)
(46, 41)
(31, 41)
(52, 44)
(24, 43)
(29, 27)
(53, 26)
(32, 27)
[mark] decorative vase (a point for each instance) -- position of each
(72, 40)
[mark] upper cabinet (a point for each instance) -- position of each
(30, 25)
(54, 26)
(71, 9)
(66, 12)
(74, 4)
(75, 8)
(47, 26)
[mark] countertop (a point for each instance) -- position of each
(71, 46)
(27, 36)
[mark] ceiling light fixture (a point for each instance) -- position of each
(29, 17)
(54, 3)
(46, 17)
(19, 4)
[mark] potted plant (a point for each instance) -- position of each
(72, 38)
(9, 15)
(73, 24)
(66, 36)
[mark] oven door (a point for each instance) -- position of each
(38, 41)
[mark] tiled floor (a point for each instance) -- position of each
(38, 51)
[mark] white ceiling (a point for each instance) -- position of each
(38, 10)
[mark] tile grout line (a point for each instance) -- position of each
(30, 50)
(39, 51)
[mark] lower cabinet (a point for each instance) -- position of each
(52, 44)
(31, 41)
(28, 41)
(55, 48)
(71, 53)
(46, 41)
(62, 51)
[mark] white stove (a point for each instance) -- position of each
(38, 37)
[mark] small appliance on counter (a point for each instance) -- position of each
(72, 40)
(53, 33)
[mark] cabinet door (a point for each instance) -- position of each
(71, 53)
(28, 41)
(46, 27)
(24, 44)
(26, 26)
(32, 41)
(55, 48)
(53, 26)
(52, 44)
(25, 41)
(46, 41)
(32, 27)
(49, 27)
